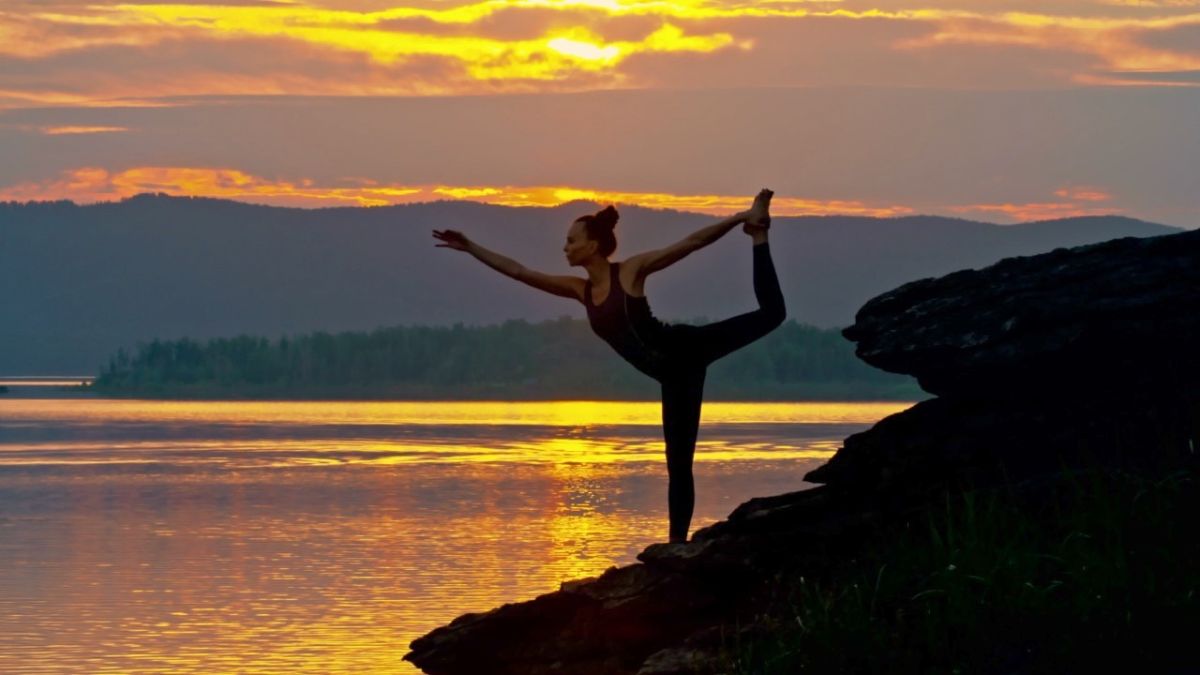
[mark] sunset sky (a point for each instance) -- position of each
(998, 110)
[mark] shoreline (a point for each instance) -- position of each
(496, 399)
(831, 395)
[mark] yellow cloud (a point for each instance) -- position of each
(233, 17)
(550, 56)
(368, 32)
(408, 52)
(584, 50)
(94, 184)
(467, 193)
(721, 204)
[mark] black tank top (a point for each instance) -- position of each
(624, 321)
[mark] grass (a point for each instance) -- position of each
(1096, 571)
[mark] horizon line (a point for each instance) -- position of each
(550, 206)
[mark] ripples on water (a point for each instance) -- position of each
(140, 536)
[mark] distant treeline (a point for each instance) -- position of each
(517, 359)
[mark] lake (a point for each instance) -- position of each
(201, 536)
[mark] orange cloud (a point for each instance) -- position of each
(1034, 210)
(1083, 193)
(1080, 201)
(1113, 41)
(67, 130)
(32, 35)
(1152, 3)
(92, 184)
(1128, 79)
(45, 97)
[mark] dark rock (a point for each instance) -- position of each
(680, 661)
(1077, 357)
(1126, 309)
(607, 625)
(664, 615)
(699, 654)
(976, 442)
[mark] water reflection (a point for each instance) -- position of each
(408, 413)
(254, 537)
(295, 433)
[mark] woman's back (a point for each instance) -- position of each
(625, 322)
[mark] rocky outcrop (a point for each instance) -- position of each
(670, 614)
(1071, 358)
(1074, 357)
(1103, 315)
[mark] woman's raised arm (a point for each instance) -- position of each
(653, 261)
(562, 285)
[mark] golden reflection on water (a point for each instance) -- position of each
(260, 453)
(549, 413)
(305, 433)
(199, 537)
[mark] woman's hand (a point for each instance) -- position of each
(452, 239)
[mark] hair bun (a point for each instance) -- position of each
(608, 217)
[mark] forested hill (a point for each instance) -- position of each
(558, 359)
(82, 281)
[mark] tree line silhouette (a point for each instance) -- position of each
(516, 359)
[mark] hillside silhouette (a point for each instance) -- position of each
(83, 281)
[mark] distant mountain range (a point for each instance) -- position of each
(80, 281)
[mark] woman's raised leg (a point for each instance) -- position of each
(682, 395)
(715, 340)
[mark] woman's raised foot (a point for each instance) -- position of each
(760, 217)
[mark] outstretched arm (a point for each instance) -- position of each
(653, 261)
(565, 286)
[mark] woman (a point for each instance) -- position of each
(676, 355)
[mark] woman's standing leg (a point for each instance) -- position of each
(718, 339)
(682, 395)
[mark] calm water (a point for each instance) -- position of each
(151, 536)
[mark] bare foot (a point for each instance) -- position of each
(756, 226)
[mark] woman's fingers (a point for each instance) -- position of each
(450, 239)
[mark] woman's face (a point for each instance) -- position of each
(578, 247)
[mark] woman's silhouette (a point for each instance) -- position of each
(676, 355)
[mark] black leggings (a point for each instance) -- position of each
(694, 347)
